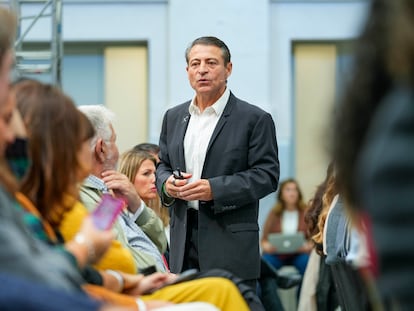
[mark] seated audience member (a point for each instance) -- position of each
(318, 289)
(56, 126)
(139, 167)
(117, 257)
(141, 230)
(343, 250)
(155, 203)
(28, 268)
(287, 217)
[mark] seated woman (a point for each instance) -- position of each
(28, 95)
(139, 166)
(287, 217)
(60, 156)
(154, 202)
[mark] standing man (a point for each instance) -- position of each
(228, 153)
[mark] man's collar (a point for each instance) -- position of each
(218, 106)
(97, 183)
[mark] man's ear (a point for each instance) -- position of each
(100, 150)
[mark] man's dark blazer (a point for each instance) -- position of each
(241, 166)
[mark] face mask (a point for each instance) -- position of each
(17, 157)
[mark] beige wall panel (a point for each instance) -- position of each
(126, 93)
(315, 67)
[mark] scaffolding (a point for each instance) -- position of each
(47, 61)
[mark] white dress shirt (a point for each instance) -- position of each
(199, 131)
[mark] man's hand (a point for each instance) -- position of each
(189, 191)
(196, 190)
(122, 188)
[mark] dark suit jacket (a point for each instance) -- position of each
(242, 166)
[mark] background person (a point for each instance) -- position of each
(287, 217)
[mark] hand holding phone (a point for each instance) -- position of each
(106, 212)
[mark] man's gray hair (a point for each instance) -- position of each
(101, 119)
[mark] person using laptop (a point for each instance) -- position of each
(284, 239)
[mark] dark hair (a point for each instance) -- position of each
(210, 41)
(370, 81)
(148, 147)
(56, 132)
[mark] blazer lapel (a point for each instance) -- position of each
(182, 129)
(222, 121)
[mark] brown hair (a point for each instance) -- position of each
(56, 131)
(315, 207)
(129, 164)
(328, 196)
(280, 205)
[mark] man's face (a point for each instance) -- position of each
(5, 67)
(206, 70)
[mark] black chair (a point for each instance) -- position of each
(270, 281)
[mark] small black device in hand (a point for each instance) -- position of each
(186, 275)
(148, 270)
(177, 174)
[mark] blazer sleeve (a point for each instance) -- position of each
(261, 175)
(164, 166)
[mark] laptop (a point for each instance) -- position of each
(286, 243)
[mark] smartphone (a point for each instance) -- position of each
(186, 275)
(106, 212)
(177, 174)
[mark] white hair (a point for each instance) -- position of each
(101, 119)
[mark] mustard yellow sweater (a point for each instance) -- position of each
(116, 258)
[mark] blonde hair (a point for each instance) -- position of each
(129, 164)
(330, 193)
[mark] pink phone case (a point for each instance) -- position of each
(106, 212)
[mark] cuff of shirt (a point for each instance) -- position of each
(138, 212)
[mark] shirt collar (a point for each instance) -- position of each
(97, 183)
(217, 107)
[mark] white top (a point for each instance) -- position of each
(290, 222)
(199, 131)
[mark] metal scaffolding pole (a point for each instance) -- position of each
(39, 62)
